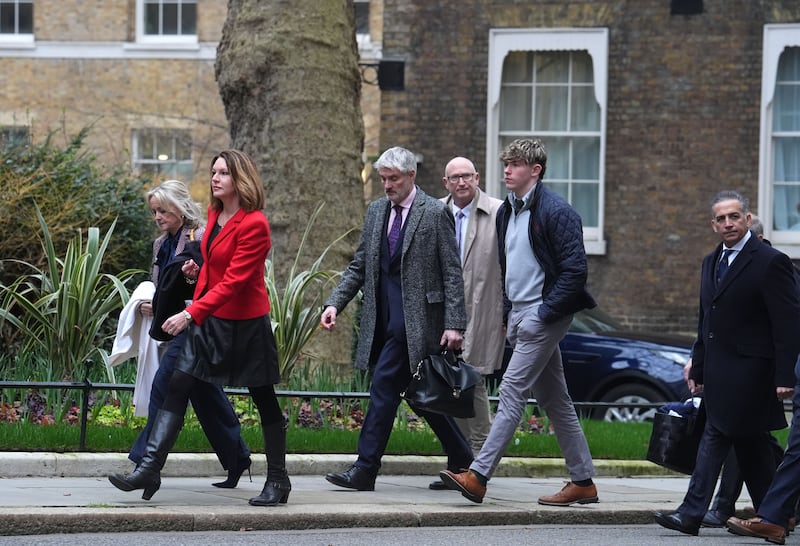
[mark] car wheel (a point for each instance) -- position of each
(629, 394)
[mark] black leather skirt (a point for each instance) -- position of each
(233, 353)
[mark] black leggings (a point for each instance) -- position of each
(181, 384)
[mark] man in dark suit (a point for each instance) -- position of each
(743, 359)
(407, 267)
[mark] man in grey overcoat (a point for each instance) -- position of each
(408, 269)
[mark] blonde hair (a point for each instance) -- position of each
(246, 181)
(531, 151)
(173, 195)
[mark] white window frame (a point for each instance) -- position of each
(17, 39)
(505, 40)
(161, 39)
(776, 38)
(137, 161)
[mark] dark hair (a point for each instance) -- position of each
(727, 195)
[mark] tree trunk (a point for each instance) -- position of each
(289, 79)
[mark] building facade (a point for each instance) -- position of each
(647, 109)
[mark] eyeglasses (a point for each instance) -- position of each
(466, 177)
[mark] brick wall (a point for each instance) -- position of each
(682, 123)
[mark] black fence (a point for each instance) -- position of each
(86, 387)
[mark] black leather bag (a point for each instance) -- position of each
(675, 439)
(443, 383)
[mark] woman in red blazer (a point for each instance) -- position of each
(230, 339)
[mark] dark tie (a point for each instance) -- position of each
(722, 266)
(394, 232)
(459, 218)
(518, 204)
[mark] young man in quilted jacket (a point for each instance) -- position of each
(542, 258)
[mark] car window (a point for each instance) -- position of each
(594, 321)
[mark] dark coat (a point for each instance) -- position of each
(556, 236)
(433, 287)
(173, 290)
(748, 338)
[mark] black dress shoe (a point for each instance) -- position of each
(354, 477)
(437, 485)
(714, 519)
(677, 522)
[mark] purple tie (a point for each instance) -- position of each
(394, 232)
(459, 219)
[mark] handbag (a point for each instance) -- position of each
(675, 439)
(443, 383)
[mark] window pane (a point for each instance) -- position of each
(787, 159)
(362, 17)
(183, 147)
(151, 19)
(517, 67)
(582, 68)
(169, 21)
(25, 23)
(789, 65)
(557, 158)
(551, 108)
(13, 136)
(515, 109)
(786, 208)
(146, 150)
(787, 108)
(585, 201)
(189, 19)
(7, 18)
(585, 110)
(552, 68)
(586, 159)
(561, 188)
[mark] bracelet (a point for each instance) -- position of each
(189, 281)
(187, 316)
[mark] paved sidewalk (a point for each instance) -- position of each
(69, 493)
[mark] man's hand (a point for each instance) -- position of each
(453, 339)
(328, 319)
(784, 393)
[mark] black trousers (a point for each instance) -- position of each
(390, 377)
(756, 460)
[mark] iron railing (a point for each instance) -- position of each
(86, 387)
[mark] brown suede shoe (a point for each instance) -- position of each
(755, 527)
(466, 482)
(570, 494)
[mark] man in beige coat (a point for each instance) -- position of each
(476, 236)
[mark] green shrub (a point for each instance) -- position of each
(72, 191)
(59, 310)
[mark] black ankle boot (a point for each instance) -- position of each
(147, 475)
(234, 473)
(278, 486)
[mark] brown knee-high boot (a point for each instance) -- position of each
(147, 475)
(278, 486)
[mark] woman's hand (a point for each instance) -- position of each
(190, 269)
(146, 308)
(177, 323)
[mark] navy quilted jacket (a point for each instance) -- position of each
(556, 237)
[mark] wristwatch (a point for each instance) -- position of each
(187, 316)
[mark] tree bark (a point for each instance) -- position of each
(289, 79)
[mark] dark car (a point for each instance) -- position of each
(604, 362)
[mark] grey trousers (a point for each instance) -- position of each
(536, 368)
(476, 429)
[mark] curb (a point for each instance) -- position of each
(184, 465)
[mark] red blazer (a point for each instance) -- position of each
(231, 282)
